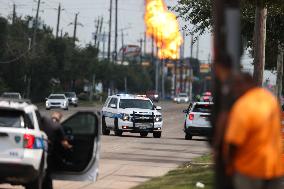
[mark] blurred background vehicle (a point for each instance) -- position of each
(153, 95)
(72, 98)
(57, 101)
(182, 98)
(197, 117)
(11, 95)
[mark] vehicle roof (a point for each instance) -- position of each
(11, 93)
(129, 96)
(203, 103)
(23, 105)
(55, 94)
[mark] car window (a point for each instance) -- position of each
(82, 124)
(135, 103)
(15, 119)
(107, 101)
(112, 101)
(202, 108)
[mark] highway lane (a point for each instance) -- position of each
(130, 160)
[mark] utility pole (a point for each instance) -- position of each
(100, 31)
(14, 13)
(279, 80)
(259, 41)
(35, 26)
(191, 46)
(141, 47)
(125, 85)
(75, 29)
(97, 31)
(197, 48)
(145, 43)
(115, 36)
(104, 42)
(109, 31)
(122, 45)
(58, 20)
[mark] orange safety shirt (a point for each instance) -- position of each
(254, 127)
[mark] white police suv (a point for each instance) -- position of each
(197, 117)
(23, 146)
(131, 113)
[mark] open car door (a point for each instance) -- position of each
(81, 162)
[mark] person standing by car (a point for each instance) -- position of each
(55, 133)
(247, 139)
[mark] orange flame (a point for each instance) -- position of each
(163, 27)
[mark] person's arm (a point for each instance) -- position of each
(63, 139)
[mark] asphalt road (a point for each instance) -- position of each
(130, 160)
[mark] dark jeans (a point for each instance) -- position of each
(244, 182)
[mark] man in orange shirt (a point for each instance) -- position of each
(252, 134)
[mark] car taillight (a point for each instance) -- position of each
(29, 141)
(191, 116)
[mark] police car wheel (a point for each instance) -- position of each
(188, 137)
(144, 134)
(157, 134)
(105, 130)
(36, 184)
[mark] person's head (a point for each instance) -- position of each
(56, 116)
(223, 68)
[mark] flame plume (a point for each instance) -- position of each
(163, 27)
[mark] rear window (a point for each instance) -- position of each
(11, 119)
(202, 108)
(14, 119)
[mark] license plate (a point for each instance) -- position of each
(144, 125)
(142, 128)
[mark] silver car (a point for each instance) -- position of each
(57, 101)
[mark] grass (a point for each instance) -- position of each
(184, 177)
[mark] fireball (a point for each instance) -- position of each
(163, 27)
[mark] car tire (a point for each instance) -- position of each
(117, 131)
(144, 134)
(36, 184)
(75, 105)
(66, 109)
(188, 137)
(157, 134)
(47, 108)
(105, 130)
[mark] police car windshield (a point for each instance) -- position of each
(135, 103)
(202, 108)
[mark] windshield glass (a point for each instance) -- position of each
(11, 96)
(70, 94)
(56, 97)
(202, 108)
(182, 95)
(135, 103)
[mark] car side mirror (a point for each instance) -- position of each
(113, 106)
(158, 108)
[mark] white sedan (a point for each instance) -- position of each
(57, 101)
